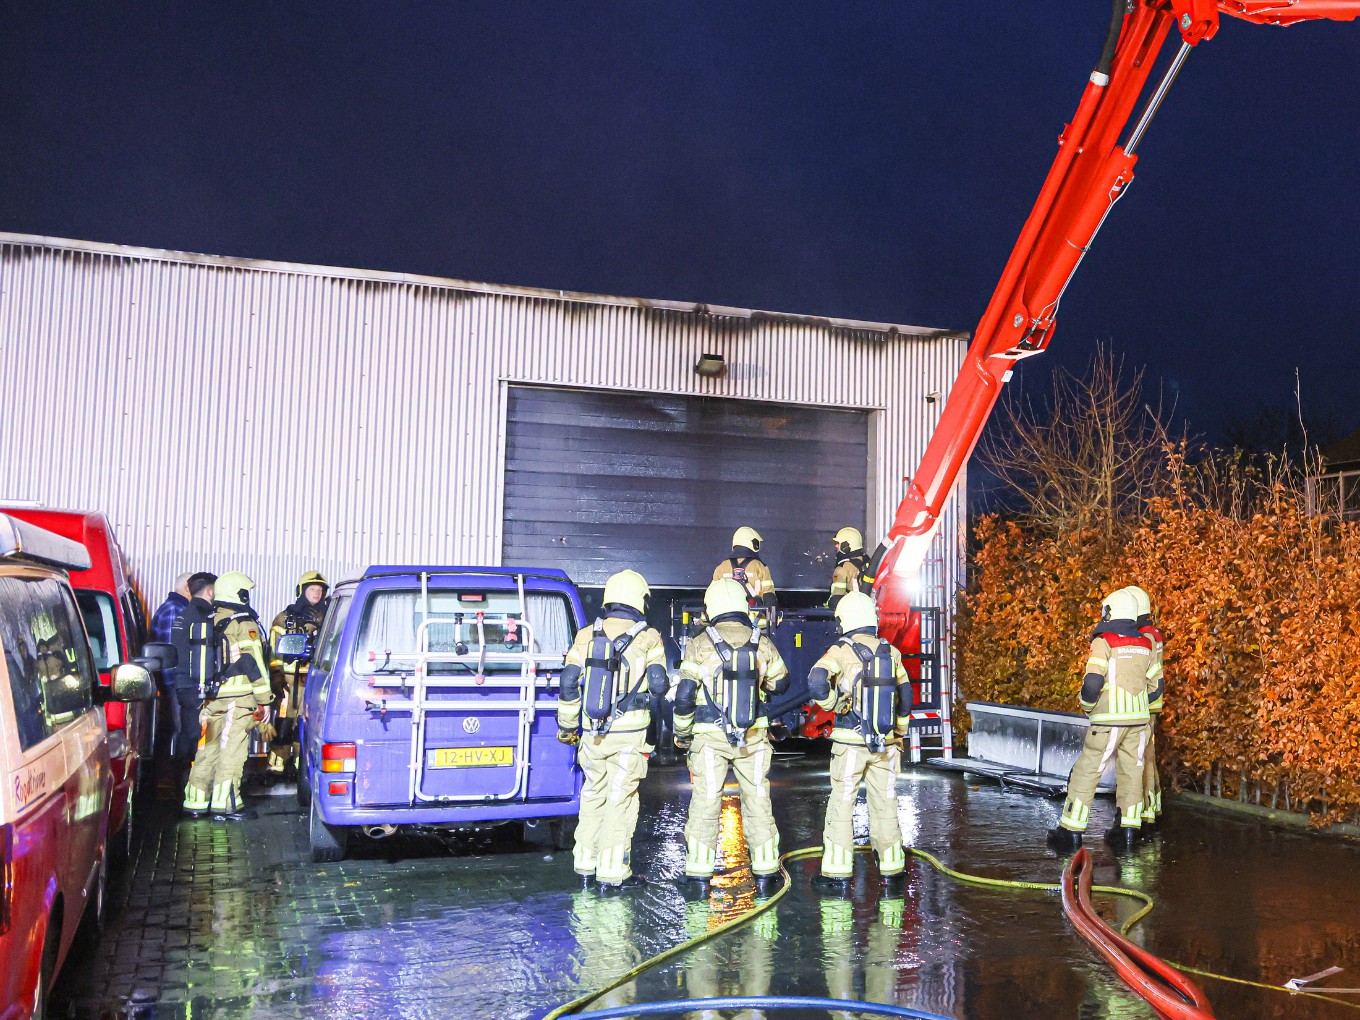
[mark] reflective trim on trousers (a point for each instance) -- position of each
(765, 858)
(1076, 815)
(613, 866)
(195, 799)
(1110, 748)
(892, 860)
(700, 859)
(1152, 805)
(584, 860)
(1132, 818)
(837, 861)
(225, 797)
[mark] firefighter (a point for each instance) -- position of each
(233, 705)
(728, 670)
(1114, 695)
(861, 678)
(851, 566)
(303, 616)
(747, 568)
(1152, 783)
(614, 669)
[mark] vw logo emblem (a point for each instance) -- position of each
(471, 724)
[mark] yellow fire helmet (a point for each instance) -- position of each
(1141, 600)
(233, 586)
(855, 611)
(627, 588)
(1119, 605)
(724, 596)
(306, 581)
(747, 538)
(849, 540)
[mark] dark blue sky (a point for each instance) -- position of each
(866, 160)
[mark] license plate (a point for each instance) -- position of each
(469, 757)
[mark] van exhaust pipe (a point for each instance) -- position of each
(379, 831)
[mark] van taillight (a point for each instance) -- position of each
(7, 890)
(337, 757)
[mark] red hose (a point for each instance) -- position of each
(1170, 993)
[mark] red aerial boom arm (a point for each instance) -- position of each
(1092, 171)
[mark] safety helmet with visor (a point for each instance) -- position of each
(627, 588)
(746, 538)
(724, 596)
(849, 541)
(1119, 605)
(855, 611)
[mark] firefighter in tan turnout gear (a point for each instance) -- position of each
(614, 669)
(303, 616)
(861, 678)
(1114, 695)
(747, 568)
(727, 671)
(851, 566)
(1152, 783)
(233, 703)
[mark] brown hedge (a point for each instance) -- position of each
(1261, 611)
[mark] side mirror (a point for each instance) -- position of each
(293, 648)
(132, 683)
(158, 657)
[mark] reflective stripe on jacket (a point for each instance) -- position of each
(1124, 663)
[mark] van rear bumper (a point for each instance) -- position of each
(446, 814)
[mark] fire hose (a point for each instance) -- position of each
(1170, 993)
(1140, 964)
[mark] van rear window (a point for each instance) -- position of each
(392, 633)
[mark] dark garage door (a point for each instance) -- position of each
(597, 481)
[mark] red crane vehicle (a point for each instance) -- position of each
(1092, 171)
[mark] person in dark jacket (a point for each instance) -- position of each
(198, 654)
(161, 623)
(168, 611)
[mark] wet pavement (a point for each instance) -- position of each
(216, 920)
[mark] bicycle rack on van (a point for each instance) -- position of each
(528, 684)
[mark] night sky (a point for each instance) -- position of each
(864, 160)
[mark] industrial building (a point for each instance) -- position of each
(229, 413)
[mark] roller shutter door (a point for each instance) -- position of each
(596, 481)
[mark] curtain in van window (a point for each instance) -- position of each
(393, 618)
(390, 625)
(548, 616)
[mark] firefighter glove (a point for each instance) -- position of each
(683, 741)
(571, 737)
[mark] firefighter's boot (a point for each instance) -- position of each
(1065, 841)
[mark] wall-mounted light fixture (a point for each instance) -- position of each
(932, 397)
(710, 365)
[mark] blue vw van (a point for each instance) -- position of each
(431, 700)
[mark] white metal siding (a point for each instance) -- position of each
(273, 418)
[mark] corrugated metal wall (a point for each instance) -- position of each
(272, 418)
